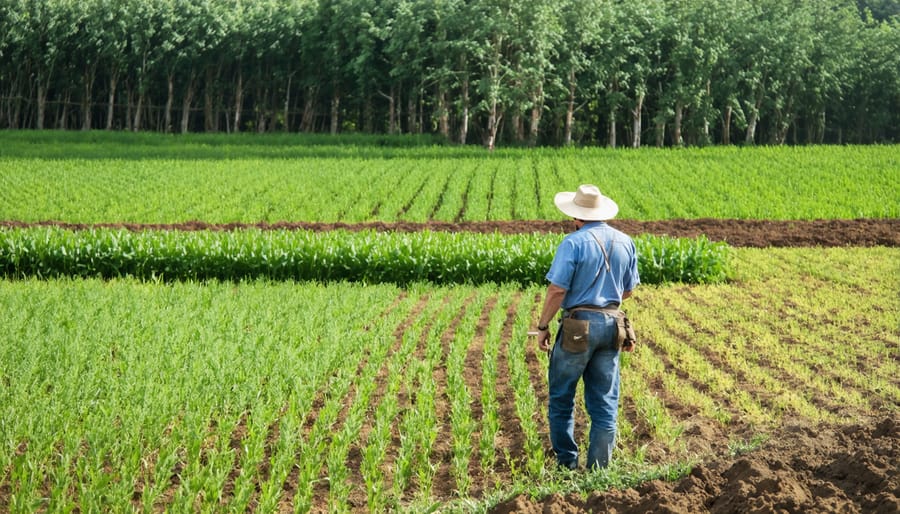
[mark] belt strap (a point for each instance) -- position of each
(592, 308)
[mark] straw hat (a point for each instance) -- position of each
(586, 204)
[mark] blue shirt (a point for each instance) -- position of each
(578, 259)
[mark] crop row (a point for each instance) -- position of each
(266, 396)
(295, 183)
(371, 257)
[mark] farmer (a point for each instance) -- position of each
(594, 268)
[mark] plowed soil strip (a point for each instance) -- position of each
(812, 321)
(473, 365)
(444, 484)
(536, 367)
(789, 382)
(354, 462)
(537, 371)
(864, 364)
(148, 467)
(236, 444)
(719, 363)
(5, 481)
(821, 400)
(264, 467)
(723, 401)
(511, 437)
(740, 233)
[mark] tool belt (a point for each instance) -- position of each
(575, 331)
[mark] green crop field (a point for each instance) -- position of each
(131, 381)
(282, 395)
(148, 179)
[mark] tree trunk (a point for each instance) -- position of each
(534, 129)
(129, 97)
(138, 112)
(287, 105)
(63, 122)
(392, 111)
(443, 113)
(260, 109)
(493, 123)
(110, 111)
(411, 112)
(335, 111)
(820, 128)
(186, 104)
(309, 110)
(783, 122)
(706, 138)
(86, 100)
(208, 116)
(726, 126)
(420, 124)
(518, 127)
(14, 105)
(678, 140)
(41, 104)
(238, 99)
(754, 118)
(636, 121)
(464, 121)
(570, 109)
(170, 99)
(612, 127)
(751, 128)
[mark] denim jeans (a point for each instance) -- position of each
(599, 366)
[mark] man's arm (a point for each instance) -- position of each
(552, 303)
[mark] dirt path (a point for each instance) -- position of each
(752, 233)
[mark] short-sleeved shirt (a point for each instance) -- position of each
(578, 259)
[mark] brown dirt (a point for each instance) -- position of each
(854, 468)
(744, 233)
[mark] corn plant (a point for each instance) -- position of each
(401, 258)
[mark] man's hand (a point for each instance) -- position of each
(543, 339)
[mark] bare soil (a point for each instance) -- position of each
(740, 233)
(854, 468)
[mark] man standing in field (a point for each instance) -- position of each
(593, 271)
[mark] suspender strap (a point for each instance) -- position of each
(605, 258)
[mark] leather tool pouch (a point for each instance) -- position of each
(625, 337)
(575, 335)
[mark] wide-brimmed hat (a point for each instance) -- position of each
(586, 204)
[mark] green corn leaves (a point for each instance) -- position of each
(369, 257)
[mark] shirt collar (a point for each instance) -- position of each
(592, 224)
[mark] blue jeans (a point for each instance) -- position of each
(599, 366)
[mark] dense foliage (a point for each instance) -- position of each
(436, 257)
(540, 72)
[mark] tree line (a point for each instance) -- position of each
(541, 72)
